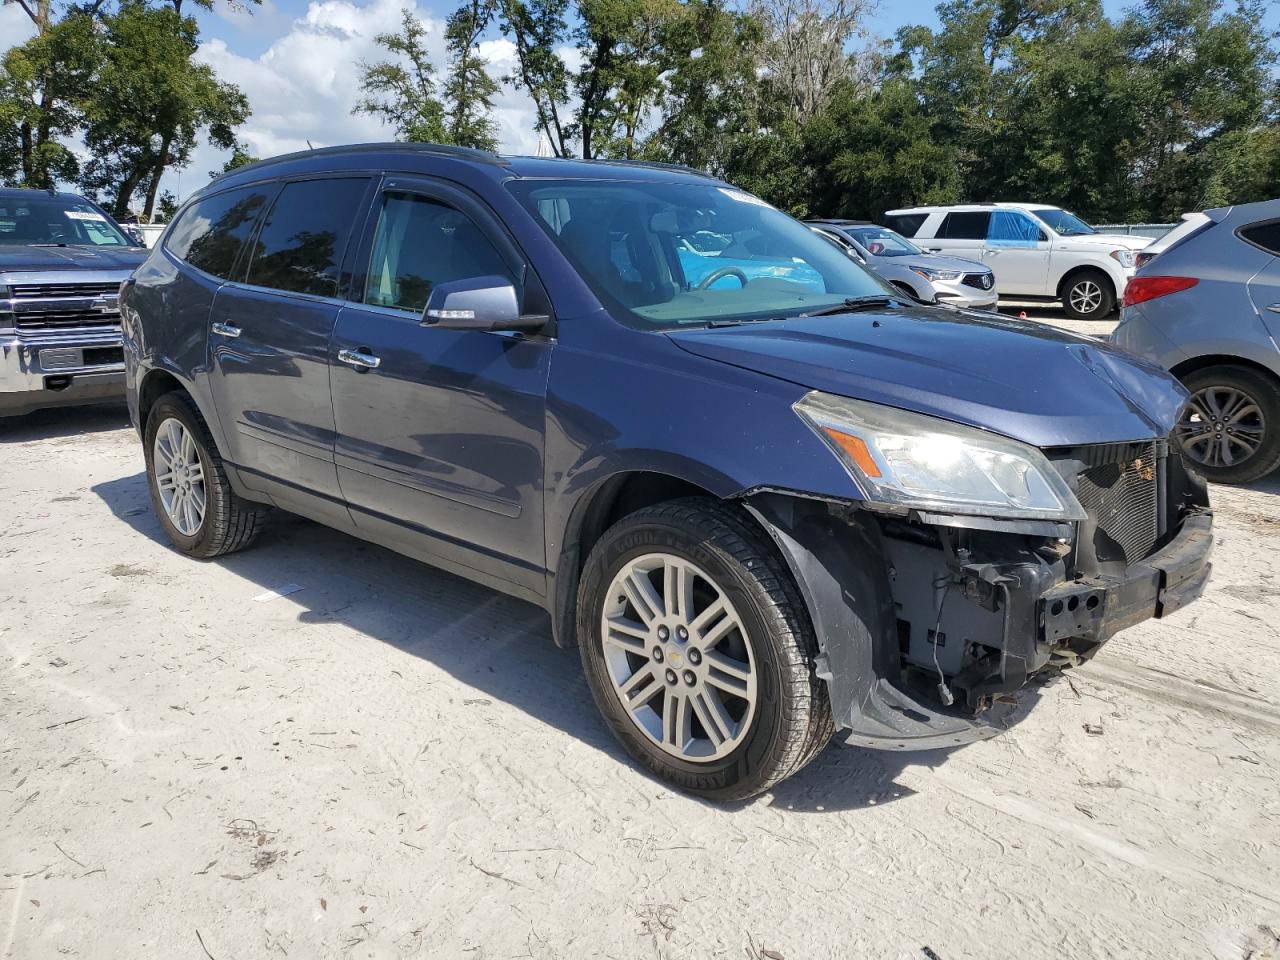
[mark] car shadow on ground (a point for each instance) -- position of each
(64, 422)
(461, 627)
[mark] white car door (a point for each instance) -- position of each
(962, 233)
(1017, 249)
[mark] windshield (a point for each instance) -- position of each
(57, 221)
(1064, 224)
(668, 255)
(883, 242)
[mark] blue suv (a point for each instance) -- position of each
(765, 496)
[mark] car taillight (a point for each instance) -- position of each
(1142, 289)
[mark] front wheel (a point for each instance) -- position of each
(699, 652)
(1231, 428)
(1088, 296)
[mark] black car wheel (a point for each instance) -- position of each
(199, 511)
(1231, 429)
(699, 652)
(1088, 296)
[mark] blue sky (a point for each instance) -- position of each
(298, 63)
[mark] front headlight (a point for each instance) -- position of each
(1124, 257)
(902, 459)
(932, 273)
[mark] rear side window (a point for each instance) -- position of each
(300, 246)
(1264, 235)
(210, 233)
(420, 243)
(965, 225)
(906, 223)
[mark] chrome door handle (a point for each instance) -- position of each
(226, 330)
(358, 358)
(1274, 308)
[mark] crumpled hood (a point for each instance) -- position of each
(1037, 384)
(1105, 241)
(19, 259)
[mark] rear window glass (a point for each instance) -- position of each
(301, 243)
(1264, 235)
(210, 233)
(965, 225)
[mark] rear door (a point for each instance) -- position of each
(269, 340)
(1264, 288)
(1017, 251)
(440, 432)
(962, 233)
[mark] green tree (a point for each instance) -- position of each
(404, 95)
(470, 90)
(538, 28)
(240, 157)
(149, 104)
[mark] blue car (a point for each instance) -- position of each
(765, 496)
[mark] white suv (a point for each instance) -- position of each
(1037, 252)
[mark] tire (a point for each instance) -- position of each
(1088, 288)
(1246, 404)
(785, 719)
(906, 289)
(227, 522)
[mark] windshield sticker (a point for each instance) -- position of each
(84, 215)
(744, 198)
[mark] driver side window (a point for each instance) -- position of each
(1010, 228)
(419, 243)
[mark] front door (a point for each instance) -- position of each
(269, 340)
(439, 432)
(1017, 251)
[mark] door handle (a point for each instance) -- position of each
(226, 330)
(360, 359)
(1274, 308)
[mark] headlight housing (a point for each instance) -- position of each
(1125, 258)
(933, 273)
(906, 460)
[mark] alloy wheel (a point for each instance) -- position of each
(179, 476)
(1223, 427)
(1085, 296)
(678, 657)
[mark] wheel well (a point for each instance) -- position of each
(1187, 367)
(1077, 271)
(155, 386)
(598, 510)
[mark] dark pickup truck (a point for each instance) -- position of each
(62, 260)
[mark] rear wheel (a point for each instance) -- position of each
(1088, 295)
(698, 650)
(1231, 429)
(199, 511)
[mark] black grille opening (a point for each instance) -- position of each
(100, 356)
(978, 280)
(1122, 498)
(43, 291)
(61, 319)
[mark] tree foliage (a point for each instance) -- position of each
(402, 91)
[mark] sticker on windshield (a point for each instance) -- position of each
(744, 197)
(84, 215)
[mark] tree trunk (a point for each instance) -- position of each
(120, 209)
(28, 155)
(161, 162)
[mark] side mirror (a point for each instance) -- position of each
(478, 303)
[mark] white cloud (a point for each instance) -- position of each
(15, 26)
(302, 88)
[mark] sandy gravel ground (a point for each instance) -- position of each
(391, 762)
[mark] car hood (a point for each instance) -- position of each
(16, 259)
(1106, 241)
(1037, 384)
(937, 262)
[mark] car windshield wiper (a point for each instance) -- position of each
(46, 244)
(852, 305)
(735, 321)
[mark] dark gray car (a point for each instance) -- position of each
(1208, 310)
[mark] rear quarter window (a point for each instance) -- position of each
(1264, 235)
(906, 223)
(210, 233)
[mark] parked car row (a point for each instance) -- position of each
(773, 480)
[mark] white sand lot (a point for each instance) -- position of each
(391, 762)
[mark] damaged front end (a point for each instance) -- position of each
(929, 621)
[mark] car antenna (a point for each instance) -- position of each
(309, 146)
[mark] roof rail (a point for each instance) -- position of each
(657, 165)
(431, 149)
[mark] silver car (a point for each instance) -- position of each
(957, 281)
(1208, 310)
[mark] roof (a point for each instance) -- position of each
(840, 222)
(20, 192)
(968, 207)
(408, 157)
